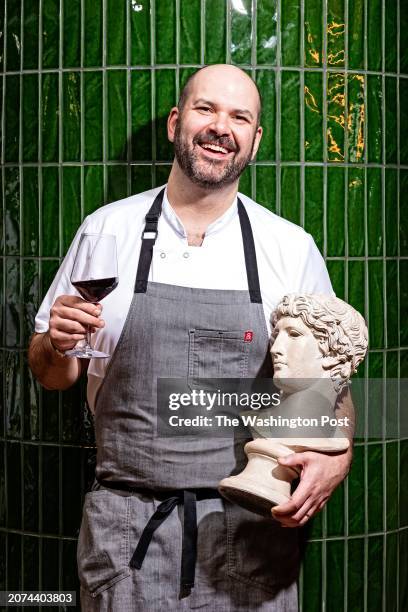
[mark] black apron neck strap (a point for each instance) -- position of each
(250, 255)
(149, 238)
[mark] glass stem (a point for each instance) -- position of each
(88, 338)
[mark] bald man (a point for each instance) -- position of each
(201, 268)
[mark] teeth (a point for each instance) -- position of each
(213, 147)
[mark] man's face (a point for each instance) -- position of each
(216, 135)
(295, 352)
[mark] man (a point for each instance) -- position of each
(198, 269)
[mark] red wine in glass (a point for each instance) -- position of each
(94, 275)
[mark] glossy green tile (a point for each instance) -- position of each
(312, 577)
(215, 31)
(30, 118)
(50, 212)
(315, 527)
(49, 117)
(71, 204)
(335, 576)
(376, 304)
(190, 32)
(374, 119)
(13, 44)
(391, 571)
(31, 396)
(391, 40)
(313, 121)
(71, 415)
(162, 175)
(71, 117)
(92, 42)
(50, 462)
(71, 52)
(165, 39)
(12, 390)
(30, 562)
(356, 34)
(69, 564)
(117, 183)
(266, 187)
(313, 32)
(2, 47)
(336, 273)
(30, 34)
(50, 33)
(71, 502)
(265, 80)
(116, 114)
(392, 303)
(356, 118)
(14, 548)
(141, 115)
(290, 116)
(245, 183)
(335, 512)
(266, 31)
(290, 33)
(403, 304)
(335, 211)
(12, 119)
(115, 32)
(140, 32)
(403, 229)
(391, 497)
(375, 487)
(12, 211)
(402, 480)
(374, 212)
(290, 194)
(403, 47)
(391, 212)
(48, 270)
(165, 99)
(374, 35)
(3, 505)
(314, 218)
(93, 188)
(31, 302)
(93, 116)
(375, 572)
(30, 484)
(141, 177)
(355, 220)
(241, 29)
(13, 456)
(391, 120)
(335, 33)
(335, 117)
(355, 575)
(356, 490)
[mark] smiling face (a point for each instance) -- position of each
(216, 134)
(295, 353)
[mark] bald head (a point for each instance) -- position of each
(229, 78)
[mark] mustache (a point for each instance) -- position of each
(222, 141)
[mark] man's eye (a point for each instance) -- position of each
(241, 118)
(204, 108)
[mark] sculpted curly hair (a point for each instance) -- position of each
(339, 329)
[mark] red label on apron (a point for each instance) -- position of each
(248, 336)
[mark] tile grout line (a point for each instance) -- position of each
(202, 31)
(278, 109)
(302, 114)
(153, 89)
(254, 41)
(104, 105)
(82, 115)
(228, 33)
(177, 71)
(129, 149)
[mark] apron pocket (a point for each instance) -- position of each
(103, 545)
(260, 553)
(217, 354)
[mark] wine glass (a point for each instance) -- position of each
(94, 275)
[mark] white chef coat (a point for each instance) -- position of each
(288, 262)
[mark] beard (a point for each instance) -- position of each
(209, 174)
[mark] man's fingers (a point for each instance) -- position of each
(76, 315)
(300, 496)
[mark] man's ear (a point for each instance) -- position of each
(257, 140)
(172, 122)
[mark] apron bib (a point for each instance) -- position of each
(154, 526)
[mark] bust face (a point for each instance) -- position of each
(295, 354)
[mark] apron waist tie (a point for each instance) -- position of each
(188, 498)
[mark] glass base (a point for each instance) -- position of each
(86, 353)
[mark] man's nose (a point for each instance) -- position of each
(220, 124)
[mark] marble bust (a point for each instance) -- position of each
(317, 343)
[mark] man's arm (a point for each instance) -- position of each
(69, 317)
(320, 473)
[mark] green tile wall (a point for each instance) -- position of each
(85, 89)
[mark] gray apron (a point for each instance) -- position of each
(155, 534)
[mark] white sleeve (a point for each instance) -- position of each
(61, 284)
(312, 272)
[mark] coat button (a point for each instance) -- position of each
(186, 255)
(162, 255)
